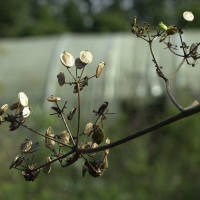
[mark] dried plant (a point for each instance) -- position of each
(67, 147)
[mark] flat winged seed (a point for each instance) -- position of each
(98, 134)
(53, 98)
(67, 59)
(16, 159)
(15, 106)
(61, 78)
(47, 168)
(88, 128)
(86, 57)
(3, 109)
(99, 69)
(188, 16)
(23, 99)
(64, 138)
(34, 147)
(26, 112)
(79, 64)
(25, 146)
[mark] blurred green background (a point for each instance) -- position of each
(163, 164)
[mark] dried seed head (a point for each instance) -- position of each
(23, 99)
(3, 109)
(48, 142)
(188, 16)
(47, 168)
(88, 128)
(61, 78)
(53, 98)
(99, 69)
(25, 146)
(64, 138)
(98, 135)
(67, 59)
(86, 57)
(79, 64)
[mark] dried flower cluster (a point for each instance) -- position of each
(67, 147)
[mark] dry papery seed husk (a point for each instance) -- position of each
(25, 145)
(64, 138)
(3, 109)
(26, 112)
(67, 59)
(94, 145)
(107, 142)
(53, 98)
(98, 134)
(86, 57)
(99, 69)
(15, 106)
(48, 142)
(188, 16)
(61, 78)
(88, 128)
(47, 168)
(35, 146)
(23, 99)
(71, 114)
(79, 64)
(16, 162)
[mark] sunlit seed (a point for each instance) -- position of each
(67, 59)
(53, 98)
(25, 146)
(14, 161)
(99, 69)
(88, 128)
(64, 138)
(3, 109)
(23, 99)
(47, 168)
(86, 57)
(34, 147)
(188, 16)
(48, 142)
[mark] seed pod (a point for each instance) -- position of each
(107, 142)
(98, 135)
(188, 16)
(3, 109)
(15, 161)
(162, 26)
(67, 59)
(61, 78)
(88, 128)
(34, 147)
(171, 30)
(25, 146)
(23, 99)
(86, 57)
(99, 69)
(79, 64)
(15, 106)
(64, 138)
(26, 112)
(193, 50)
(53, 99)
(71, 114)
(94, 145)
(47, 168)
(48, 142)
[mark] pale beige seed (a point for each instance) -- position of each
(67, 59)
(86, 57)
(53, 98)
(100, 69)
(23, 99)
(188, 16)
(64, 138)
(88, 128)
(3, 109)
(25, 146)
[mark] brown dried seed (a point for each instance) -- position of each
(15, 106)
(25, 146)
(15, 161)
(99, 69)
(23, 99)
(86, 57)
(79, 64)
(98, 135)
(61, 78)
(48, 142)
(3, 109)
(53, 98)
(71, 114)
(94, 145)
(34, 147)
(35, 174)
(67, 59)
(64, 138)
(88, 128)
(47, 168)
